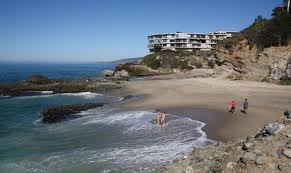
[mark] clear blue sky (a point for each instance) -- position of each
(102, 30)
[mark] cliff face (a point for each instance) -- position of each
(250, 64)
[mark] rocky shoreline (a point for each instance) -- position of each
(42, 83)
(267, 151)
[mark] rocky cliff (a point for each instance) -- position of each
(244, 62)
(240, 61)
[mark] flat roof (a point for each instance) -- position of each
(192, 33)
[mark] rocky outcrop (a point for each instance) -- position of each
(251, 64)
(267, 152)
(66, 112)
(128, 70)
(59, 86)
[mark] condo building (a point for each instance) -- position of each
(186, 41)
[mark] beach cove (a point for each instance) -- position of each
(208, 100)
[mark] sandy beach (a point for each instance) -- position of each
(208, 100)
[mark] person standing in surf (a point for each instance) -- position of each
(158, 117)
(163, 118)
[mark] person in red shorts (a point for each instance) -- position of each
(233, 106)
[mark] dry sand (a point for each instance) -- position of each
(208, 100)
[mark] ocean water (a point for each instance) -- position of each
(106, 140)
(10, 72)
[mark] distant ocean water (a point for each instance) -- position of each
(105, 140)
(10, 72)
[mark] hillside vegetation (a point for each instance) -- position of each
(264, 33)
(169, 60)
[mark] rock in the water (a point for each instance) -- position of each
(108, 73)
(248, 156)
(274, 128)
(65, 112)
(260, 160)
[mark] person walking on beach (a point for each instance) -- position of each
(233, 105)
(245, 106)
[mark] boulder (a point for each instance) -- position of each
(66, 112)
(247, 157)
(108, 73)
(287, 114)
(247, 146)
(260, 160)
(288, 144)
(287, 152)
(274, 128)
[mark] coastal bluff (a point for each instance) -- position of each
(266, 152)
(240, 62)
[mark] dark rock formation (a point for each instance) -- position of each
(41, 83)
(66, 112)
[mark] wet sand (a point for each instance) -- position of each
(208, 100)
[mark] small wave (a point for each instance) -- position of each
(4, 96)
(46, 94)
(83, 94)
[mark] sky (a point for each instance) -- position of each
(104, 30)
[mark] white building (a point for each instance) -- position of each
(186, 41)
